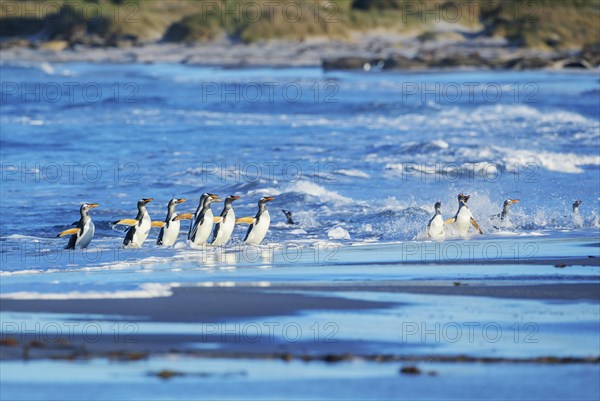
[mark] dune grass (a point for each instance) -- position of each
(535, 23)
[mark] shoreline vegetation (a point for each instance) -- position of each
(336, 34)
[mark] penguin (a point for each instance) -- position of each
(170, 227)
(82, 234)
(463, 218)
(259, 224)
(139, 228)
(576, 205)
(435, 227)
(203, 219)
(225, 223)
(501, 219)
(577, 219)
(288, 216)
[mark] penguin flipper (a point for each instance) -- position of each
(129, 235)
(159, 240)
(160, 224)
(450, 220)
(474, 223)
(248, 232)
(217, 219)
(72, 242)
(126, 222)
(194, 230)
(246, 220)
(215, 232)
(183, 216)
(70, 231)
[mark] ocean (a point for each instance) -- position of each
(359, 158)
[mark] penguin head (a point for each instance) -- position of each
(210, 198)
(230, 199)
(87, 206)
(463, 198)
(144, 201)
(577, 203)
(438, 205)
(174, 202)
(265, 199)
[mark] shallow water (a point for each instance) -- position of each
(360, 159)
(366, 152)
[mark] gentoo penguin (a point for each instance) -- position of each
(577, 220)
(435, 227)
(225, 222)
(506, 208)
(82, 234)
(170, 227)
(139, 228)
(463, 217)
(202, 221)
(501, 219)
(259, 224)
(288, 216)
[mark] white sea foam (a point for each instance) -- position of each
(147, 290)
(311, 189)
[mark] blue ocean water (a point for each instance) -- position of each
(359, 158)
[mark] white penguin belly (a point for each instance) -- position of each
(225, 229)
(171, 232)
(203, 231)
(86, 235)
(436, 227)
(463, 221)
(142, 231)
(259, 230)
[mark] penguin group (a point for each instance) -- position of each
(207, 229)
(202, 224)
(463, 219)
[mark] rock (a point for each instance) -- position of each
(348, 63)
(527, 63)
(472, 59)
(572, 62)
(55, 45)
(410, 370)
(15, 43)
(591, 54)
(398, 62)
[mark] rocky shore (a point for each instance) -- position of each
(364, 52)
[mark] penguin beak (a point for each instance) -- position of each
(147, 200)
(515, 201)
(233, 197)
(268, 199)
(93, 205)
(181, 200)
(215, 198)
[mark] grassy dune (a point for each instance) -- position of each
(542, 24)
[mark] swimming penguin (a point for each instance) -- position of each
(259, 224)
(501, 219)
(139, 228)
(288, 216)
(170, 227)
(435, 227)
(577, 219)
(463, 218)
(202, 221)
(225, 223)
(82, 234)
